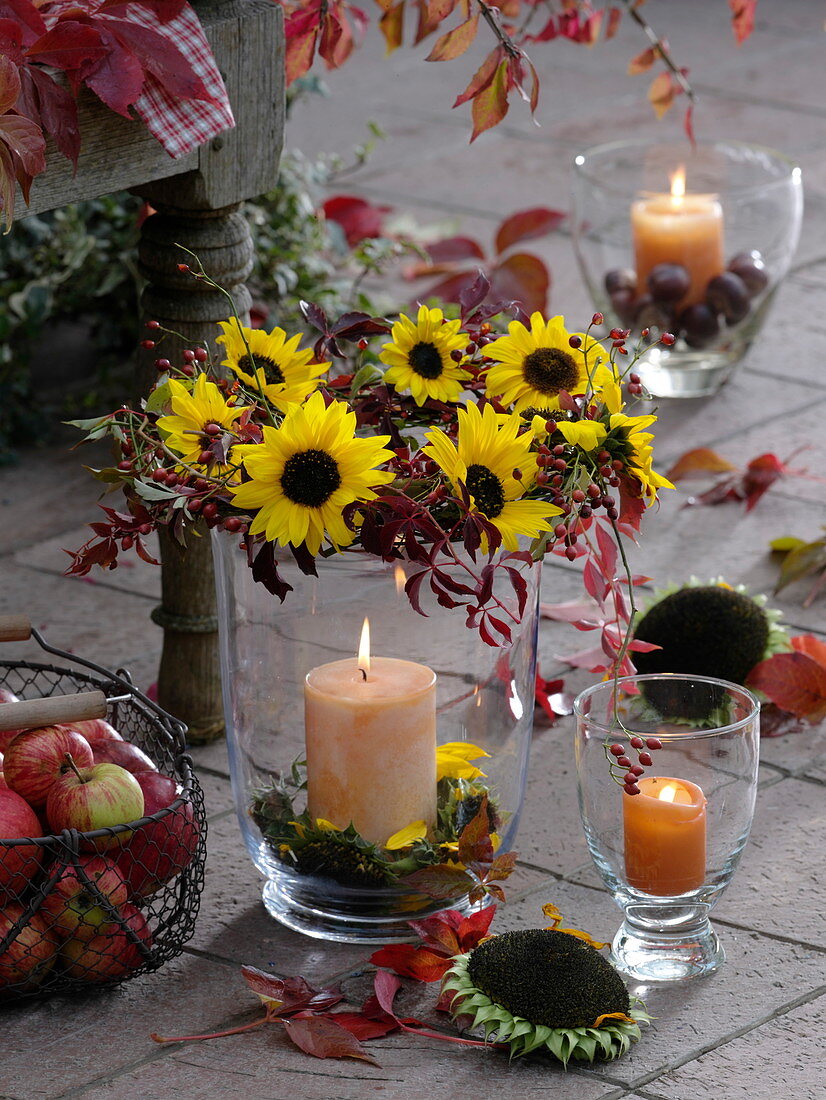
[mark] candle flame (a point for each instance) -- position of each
(668, 793)
(364, 649)
(400, 579)
(678, 186)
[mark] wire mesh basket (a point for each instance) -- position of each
(86, 910)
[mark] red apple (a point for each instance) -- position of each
(35, 758)
(74, 905)
(112, 952)
(129, 756)
(95, 797)
(19, 863)
(95, 730)
(32, 952)
(7, 696)
(159, 850)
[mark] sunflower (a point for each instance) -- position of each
(488, 453)
(305, 473)
(628, 440)
(544, 990)
(192, 414)
(420, 356)
(533, 365)
(285, 375)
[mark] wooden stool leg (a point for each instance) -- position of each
(189, 684)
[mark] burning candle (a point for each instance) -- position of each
(665, 836)
(679, 229)
(370, 731)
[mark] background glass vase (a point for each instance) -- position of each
(738, 224)
(484, 695)
(668, 852)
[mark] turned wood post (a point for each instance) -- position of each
(200, 211)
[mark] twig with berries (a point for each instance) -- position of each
(623, 770)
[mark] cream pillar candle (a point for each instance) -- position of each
(370, 730)
(679, 229)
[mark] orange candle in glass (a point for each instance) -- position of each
(370, 732)
(679, 229)
(665, 836)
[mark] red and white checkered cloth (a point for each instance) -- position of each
(181, 125)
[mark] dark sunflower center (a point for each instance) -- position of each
(272, 372)
(425, 360)
(486, 489)
(550, 370)
(310, 478)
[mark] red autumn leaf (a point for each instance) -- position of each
(440, 882)
(22, 145)
(475, 928)
(688, 124)
(742, 18)
(358, 218)
(643, 61)
(391, 26)
(811, 646)
(323, 1038)
(68, 46)
(364, 1027)
(439, 932)
(164, 9)
(522, 277)
(482, 77)
(699, 461)
(543, 693)
(26, 16)
(300, 53)
(454, 248)
(293, 994)
(490, 105)
(794, 681)
(118, 78)
(524, 225)
(661, 93)
(53, 108)
(160, 57)
(761, 473)
(776, 722)
(454, 43)
(412, 962)
(385, 987)
(474, 840)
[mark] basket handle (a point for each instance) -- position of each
(15, 628)
(52, 710)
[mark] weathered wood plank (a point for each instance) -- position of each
(118, 154)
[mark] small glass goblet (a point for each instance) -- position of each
(669, 849)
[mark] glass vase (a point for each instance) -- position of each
(733, 233)
(291, 673)
(666, 842)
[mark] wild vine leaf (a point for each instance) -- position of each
(490, 105)
(285, 996)
(742, 18)
(526, 225)
(391, 25)
(322, 1037)
(454, 43)
(795, 681)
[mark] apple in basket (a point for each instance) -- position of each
(35, 758)
(32, 952)
(94, 797)
(7, 696)
(96, 731)
(112, 952)
(19, 863)
(125, 754)
(159, 850)
(78, 903)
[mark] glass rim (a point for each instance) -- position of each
(608, 728)
(793, 174)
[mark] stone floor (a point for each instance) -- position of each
(755, 1029)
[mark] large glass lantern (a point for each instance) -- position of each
(359, 753)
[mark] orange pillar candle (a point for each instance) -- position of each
(665, 836)
(679, 229)
(370, 731)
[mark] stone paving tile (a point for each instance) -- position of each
(759, 977)
(779, 885)
(86, 619)
(53, 1046)
(217, 793)
(46, 493)
(131, 575)
(796, 1042)
(267, 1067)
